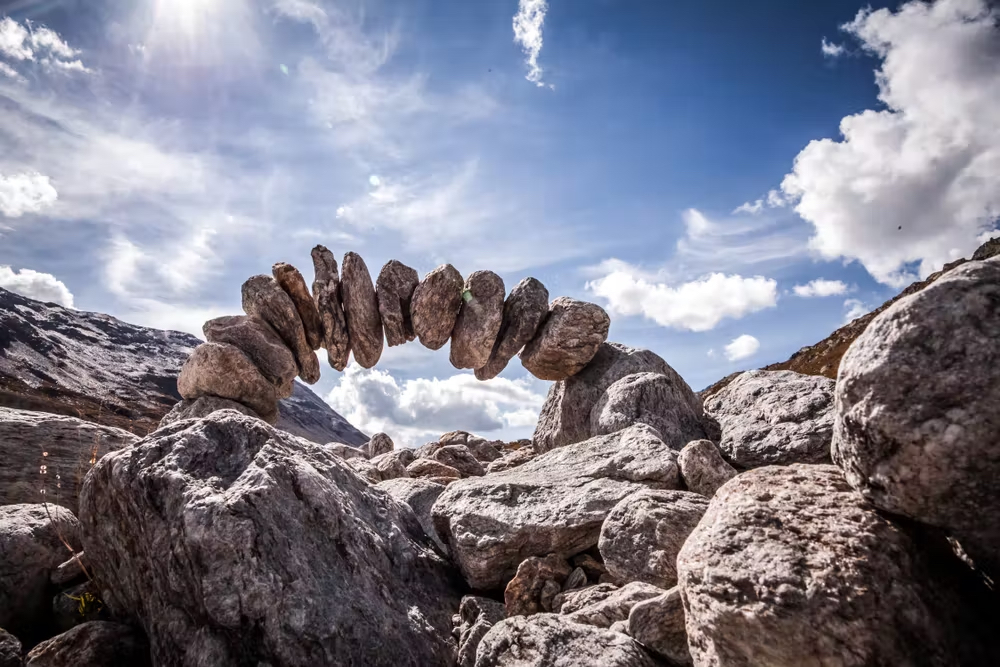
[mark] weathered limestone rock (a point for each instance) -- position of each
(523, 312)
(394, 287)
(70, 570)
(476, 616)
(461, 459)
(420, 495)
(478, 321)
(523, 595)
(326, 294)
(775, 418)
(95, 644)
(553, 504)
(643, 534)
(431, 468)
(567, 340)
(511, 460)
(654, 399)
(264, 298)
(30, 549)
(917, 427)
(555, 641)
(658, 624)
(392, 465)
(70, 444)
(259, 522)
(702, 467)
(364, 324)
(294, 284)
(790, 566)
(615, 607)
(261, 344)
(379, 444)
(222, 370)
(436, 302)
(10, 649)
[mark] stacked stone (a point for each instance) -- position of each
(252, 360)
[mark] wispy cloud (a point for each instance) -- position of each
(832, 50)
(528, 35)
(37, 44)
(736, 243)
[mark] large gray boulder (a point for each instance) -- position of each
(224, 371)
(523, 312)
(791, 566)
(567, 339)
(262, 345)
(258, 547)
(774, 418)
(95, 644)
(420, 495)
(917, 428)
(658, 624)
(478, 320)
(553, 504)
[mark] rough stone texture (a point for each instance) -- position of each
(243, 527)
(511, 460)
(431, 468)
(261, 344)
(461, 459)
(364, 324)
(551, 640)
(523, 312)
(478, 321)
(774, 418)
(567, 340)
(616, 606)
(345, 452)
(476, 616)
(917, 427)
(435, 306)
(95, 644)
(264, 298)
(379, 444)
(484, 450)
(989, 249)
(294, 284)
(555, 503)
(790, 566)
(79, 604)
(222, 370)
(702, 467)
(427, 450)
(72, 444)
(570, 601)
(658, 624)
(643, 534)
(366, 470)
(394, 287)
(523, 594)
(445, 481)
(199, 408)
(565, 416)
(420, 495)
(392, 465)
(30, 549)
(654, 399)
(10, 650)
(576, 579)
(70, 570)
(592, 567)
(326, 294)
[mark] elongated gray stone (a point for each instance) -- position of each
(567, 340)
(326, 294)
(478, 322)
(394, 287)
(295, 286)
(435, 306)
(523, 312)
(262, 345)
(364, 324)
(264, 298)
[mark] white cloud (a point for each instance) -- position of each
(820, 287)
(10, 72)
(29, 192)
(414, 411)
(35, 285)
(742, 347)
(773, 199)
(854, 308)
(25, 42)
(528, 35)
(832, 50)
(912, 186)
(15, 40)
(735, 243)
(698, 305)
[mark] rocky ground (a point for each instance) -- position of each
(786, 520)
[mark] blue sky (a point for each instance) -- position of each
(694, 167)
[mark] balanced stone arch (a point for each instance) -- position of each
(252, 359)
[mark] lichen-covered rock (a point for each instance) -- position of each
(567, 340)
(476, 616)
(790, 566)
(10, 649)
(461, 459)
(264, 298)
(917, 427)
(478, 321)
(436, 302)
(702, 467)
(294, 284)
(643, 534)
(511, 460)
(95, 644)
(364, 324)
(242, 526)
(552, 640)
(394, 287)
(326, 294)
(615, 607)
(523, 312)
(431, 468)
(379, 444)
(774, 418)
(523, 594)
(553, 504)
(222, 370)
(420, 495)
(261, 344)
(658, 624)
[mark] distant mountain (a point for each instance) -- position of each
(98, 368)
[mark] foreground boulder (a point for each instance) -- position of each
(10, 650)
(917, 429)
(658, 624)
(567, 339)
(534, 587)
(774, 418)
(615, 607)
(461, 459)
(702, 467)
(420, 495)
(260, 547)
(95, 644)
(553, 504)
(790, 566)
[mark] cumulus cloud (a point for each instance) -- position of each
(742, 347)
(528, 35)
(28, 192)
(27, 42)
(415, 411)
(820, 287)
(35, 285)
(832, 50)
